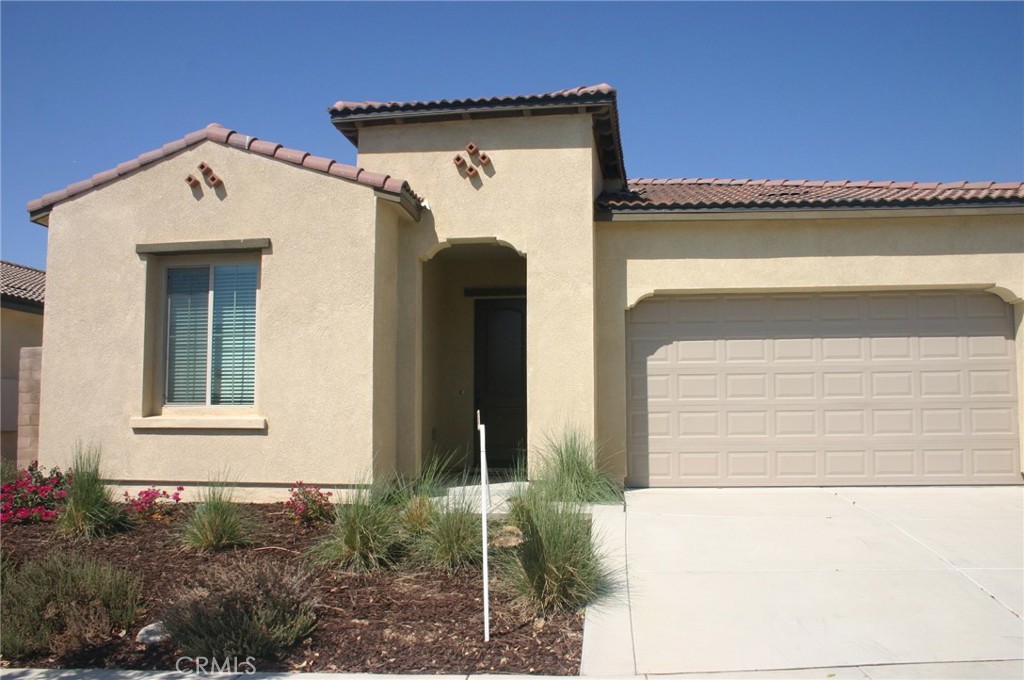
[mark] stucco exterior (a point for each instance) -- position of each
(20, 329)
(512, 203)
(364, 360)
(320, 288)
(856, 251)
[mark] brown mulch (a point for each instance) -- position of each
(400, 621)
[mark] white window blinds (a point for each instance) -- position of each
(211, 334)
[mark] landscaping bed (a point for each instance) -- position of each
(412, 619)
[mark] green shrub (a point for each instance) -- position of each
(64, 603)
(243, 609)
(366, 534)
(8, 471)
(89, 507)
(569, 470)
(215, 522)
(555, 566)
(308, 504)
(452, 537)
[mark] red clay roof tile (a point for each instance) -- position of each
(717, 194)
(508, 100)
(221, 135)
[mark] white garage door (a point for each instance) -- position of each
(830, 389)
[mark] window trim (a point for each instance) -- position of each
(156, 405)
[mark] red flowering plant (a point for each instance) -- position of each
(308, 504)
(34, 495)
(147, 503)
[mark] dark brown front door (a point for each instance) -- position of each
(500, 378)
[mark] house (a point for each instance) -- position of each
(225, 303)
(22, 294)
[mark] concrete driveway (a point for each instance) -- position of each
(846, 580)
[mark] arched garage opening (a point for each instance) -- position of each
(881, 388)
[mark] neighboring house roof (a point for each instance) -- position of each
(695, 194)
(25, 286)
(599, 100)
(39, 208)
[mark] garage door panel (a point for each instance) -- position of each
(991, 383)
(939, 306)
(795, 386)
(895, 463)
(891, 385)
(986, 307)
(880, 388)
(893, 422)
(995, 462)
(988, 346)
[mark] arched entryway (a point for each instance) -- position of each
(474, 353)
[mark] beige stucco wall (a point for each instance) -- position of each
(364, 343)
(843, 251)
(17, 329)
(316, 359)
(535, 197)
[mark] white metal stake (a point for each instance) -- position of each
(485, 500)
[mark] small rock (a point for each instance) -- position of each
(152, 634)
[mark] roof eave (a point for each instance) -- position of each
(41, 216)
(19, 304)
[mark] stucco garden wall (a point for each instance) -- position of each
(857, 251)
(536, 196)
(315, 347)
(20, 329)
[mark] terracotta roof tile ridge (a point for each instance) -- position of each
(375, 106)
(217, 133)
(869, 184)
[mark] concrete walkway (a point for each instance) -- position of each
(807, 583)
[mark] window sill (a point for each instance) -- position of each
(198, 423)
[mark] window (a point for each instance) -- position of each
(211, 335)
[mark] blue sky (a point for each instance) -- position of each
(925, 91)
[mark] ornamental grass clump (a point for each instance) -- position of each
(569, 470)
(418, 497)
(242, 609)
(64, 603)
(555, 564)
(90, 509)
(215, 522)
(366, 534)
(452, 536)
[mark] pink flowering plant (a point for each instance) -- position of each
(34, 495)
(147, 504)
(308, 504)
